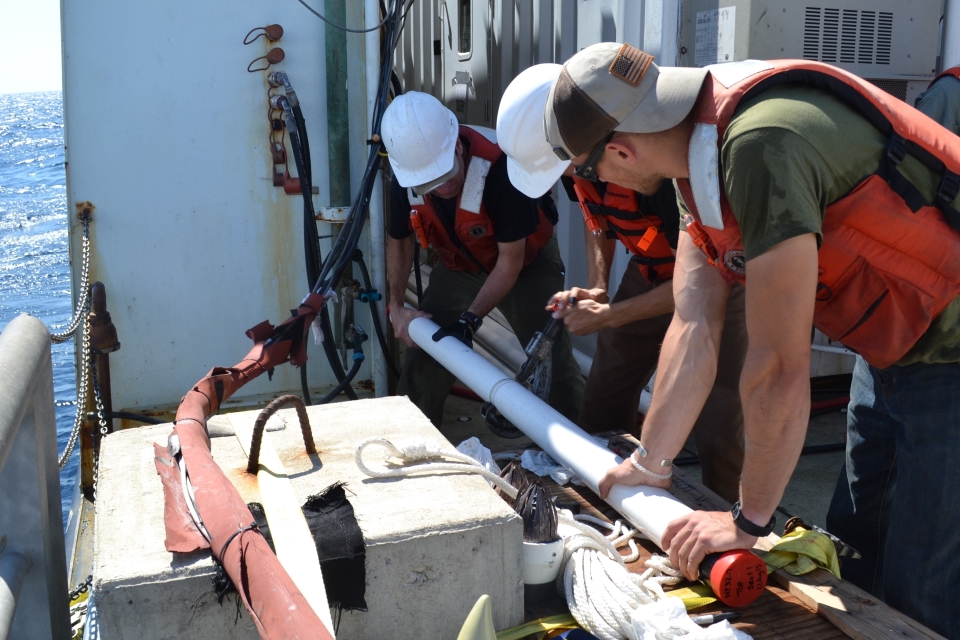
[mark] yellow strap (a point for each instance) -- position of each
(564, 621)
(802, 551)
(694, 596)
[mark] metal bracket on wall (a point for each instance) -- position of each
(462, 84)
(336, 215)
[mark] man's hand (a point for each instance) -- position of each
(400, 317)
(625, 474)
(690, 538)
(560, 299)
(586, 317)
(584, 311)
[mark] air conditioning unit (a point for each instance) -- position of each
(892, 43)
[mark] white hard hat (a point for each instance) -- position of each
(532, 165)
(420, 135)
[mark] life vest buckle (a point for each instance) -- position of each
(896, 150)
(949, 187)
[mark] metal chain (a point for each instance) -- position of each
(83, 304)
(82, 387)
(103, 426)
(81, 588)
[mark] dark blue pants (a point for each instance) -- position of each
(898, 499)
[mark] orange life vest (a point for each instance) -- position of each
(472, 247)
(952, 71)
(640, 233)
(889, 263)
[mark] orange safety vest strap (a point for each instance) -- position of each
(952, 71)
(417, 225)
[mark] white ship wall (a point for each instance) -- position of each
(166, 134)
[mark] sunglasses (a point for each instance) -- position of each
(588, 170)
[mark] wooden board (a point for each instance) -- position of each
(292, 540)
(787, 610)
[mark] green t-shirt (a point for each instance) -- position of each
(793, 150)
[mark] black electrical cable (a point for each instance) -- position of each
(136, 417)
(417, 274)
(304, 386)
(342, 28)
(344, 384)
(375, 314)
(336, 263)
(806, 451)
(330, 350)
(300, 147)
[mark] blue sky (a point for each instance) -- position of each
(30, 46)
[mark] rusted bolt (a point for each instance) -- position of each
(274, 32)
(85, 211)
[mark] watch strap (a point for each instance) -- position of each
(750, 527)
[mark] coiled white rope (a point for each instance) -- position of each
(600, 592)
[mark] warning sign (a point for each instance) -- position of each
(716, 31)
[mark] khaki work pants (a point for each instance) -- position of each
(450, 293)
(626, 358)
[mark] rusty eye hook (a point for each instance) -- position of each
(273, 56)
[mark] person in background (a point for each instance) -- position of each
(941, 100)
(496, 246)
(630, 329)
(836, 204)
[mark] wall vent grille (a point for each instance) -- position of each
(847, 36)
(896, 88)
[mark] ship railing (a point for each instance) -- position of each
(33, 575)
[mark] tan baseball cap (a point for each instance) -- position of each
(611, 86)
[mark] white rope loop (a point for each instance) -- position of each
(414, 459)
(600, 592)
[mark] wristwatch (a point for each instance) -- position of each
(749, 527)
(472, 319)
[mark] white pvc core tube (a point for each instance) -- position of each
(648, 508)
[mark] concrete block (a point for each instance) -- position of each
(435, 543)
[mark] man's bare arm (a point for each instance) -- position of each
(501, 279)
(687, 366)
(775, 390)
(399, 262)
(600, 250)
(775, 383)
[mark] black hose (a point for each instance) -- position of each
(417, 275)
(806, 451)
(311, 247)
(136, 417)
(336, 263)
(378, 328)
(330, 349)
(304, 387)
(344, 384)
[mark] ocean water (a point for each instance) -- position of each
(34, 260)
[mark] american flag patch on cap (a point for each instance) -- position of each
(631, 64)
